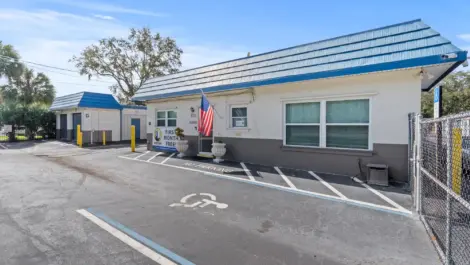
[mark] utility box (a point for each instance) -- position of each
(377, 174)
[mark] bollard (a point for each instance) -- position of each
(78, 135)
(104, 138)
(81, 139)
(133, 138)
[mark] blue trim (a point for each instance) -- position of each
(164, 148)
(133, 107)
(301, 53)
(301, 45)
(147, 242)
(410, 63)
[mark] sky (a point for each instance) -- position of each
(50, 32)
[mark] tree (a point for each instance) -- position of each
(9, 61)
(28, 88)
(130, 62)
(455, 95)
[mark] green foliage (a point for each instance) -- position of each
(179, 133)
(9, 61)
(455, 95)
(130, 62)
(29, 88)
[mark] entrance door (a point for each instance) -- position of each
(136, 123)
(205, 142)
(76, 120)
(63, 126)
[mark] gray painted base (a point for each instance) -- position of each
(69, 135)
(57, 134)
(272, 153)
(97, 137)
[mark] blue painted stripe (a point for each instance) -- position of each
(300, 60)
(149, 243)
(164, 148)
(410, 63)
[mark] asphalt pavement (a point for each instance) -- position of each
(172, 212)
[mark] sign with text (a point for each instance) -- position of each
(164, 138)
(437, 101)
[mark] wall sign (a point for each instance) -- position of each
(437, 102)
(165, 138)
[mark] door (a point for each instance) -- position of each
(205, 142)
(63, 126)
(76, 120)
(136, 123)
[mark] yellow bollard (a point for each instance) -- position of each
(81, 139)
(133, 138)
(457, 160)
(104, 138)
(78, 134)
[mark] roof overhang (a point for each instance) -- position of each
(450, 61)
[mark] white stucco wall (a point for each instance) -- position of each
(127, 116)
(69, 117)
(102, 119)
(392, 95)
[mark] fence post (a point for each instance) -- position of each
(419, 182)
(449, 128)
(133, 138)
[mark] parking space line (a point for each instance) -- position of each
(157, 154)
(286, 179)
(132, 239)
(383, 197)
(247, 171)
(166, 159)
(368, 205)
(3, 146)
(137, 157)
(327, 185)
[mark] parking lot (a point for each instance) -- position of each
(60, 204)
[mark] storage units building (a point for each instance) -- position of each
(96, 112)
(326, 106)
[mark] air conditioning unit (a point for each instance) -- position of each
(377, 174)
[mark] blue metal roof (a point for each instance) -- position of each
(405, 45)
(85, 100)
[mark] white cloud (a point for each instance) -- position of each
(103, 7)
(465, 37)
(52, 38)
(104, 17)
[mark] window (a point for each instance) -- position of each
(329, 123)
(347, 124)
(166, 118)
(239, 117)
(303, 124)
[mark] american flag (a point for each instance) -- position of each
(206, 117)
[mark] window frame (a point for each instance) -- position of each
(323, 124)
(166, 119)
(231, 125)
(302, 124)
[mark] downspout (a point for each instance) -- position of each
(120, 124)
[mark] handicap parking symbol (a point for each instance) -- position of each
(203, 202)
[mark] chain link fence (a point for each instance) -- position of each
(440, 152)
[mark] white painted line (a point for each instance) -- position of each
(2, 146)
(247, 171)
(327, 185)
(137, 157)
(157, 154)
(286, 179)
(298, 191)
(162, 260)
(383, 197)
(166, 159)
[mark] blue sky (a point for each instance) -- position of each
(51, 31)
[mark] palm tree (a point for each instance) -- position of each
(28, 88)
(9, 61)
